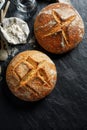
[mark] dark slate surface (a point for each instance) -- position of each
(66, 107)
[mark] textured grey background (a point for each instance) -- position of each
(66, 107)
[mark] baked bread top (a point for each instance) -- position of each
(58, 28)
(31, 75)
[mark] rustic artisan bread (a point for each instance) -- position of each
(31, 75)
(58, 28)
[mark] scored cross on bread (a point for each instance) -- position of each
(60, 26)
(30, 78)
(33, 72)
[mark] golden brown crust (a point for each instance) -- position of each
(31, 75)
(58, 28)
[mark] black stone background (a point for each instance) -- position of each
(66, 107)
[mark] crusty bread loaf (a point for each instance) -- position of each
(31, 75)
(58, 28)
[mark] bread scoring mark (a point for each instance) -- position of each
(78, 22)
(36, 84)
(14, 80)
(32, 86)
(61, 26)
(32, 62)
(27, 91)
(33, 73)
(22, 69)
(43, 76)
(32, 89)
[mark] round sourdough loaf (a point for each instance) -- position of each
(58, 28)
(31, 75)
